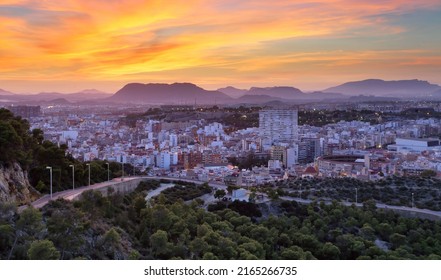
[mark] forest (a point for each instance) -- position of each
(126, 227)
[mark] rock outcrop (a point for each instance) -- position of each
(15, 186)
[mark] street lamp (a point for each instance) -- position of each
(50, 171)
(356, 195)
(122, 176)
(412, 201)
(88, 164)
(108, 172)
(73, 176)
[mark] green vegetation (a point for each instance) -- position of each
(324, 117)
(219, 194)
(234, 118)
(391, 190)
(125, 227)
(185, 192)
(16, 143)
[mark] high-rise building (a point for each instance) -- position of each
(277, 153)
(163, 160)
(291, 157)
(173, 140)
(278, 126)
(309, 149)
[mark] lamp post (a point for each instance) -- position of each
(108, 172)
(73, 176)
(50, 172)
(356, 195)
(88, 164)
(412, 201)
(122, 176)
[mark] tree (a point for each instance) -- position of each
(385, 230)
(41, 187)
(43, 250)
(6, 237)
(253, 248)
(134, 255)
(428, 173)
(10, 142)
(293, 253)
(231, 188)
(272, 194)
(38, 135)
(65, 226)
(397, 240)
(367, 232)
(31, 222)
(112, 237)
(111, 244)
(219, 194)
(198, 247)
(159, 243)
(209, 256)
(330, 252)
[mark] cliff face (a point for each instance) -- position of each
(15, 186)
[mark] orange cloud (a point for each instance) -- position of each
(207, 42)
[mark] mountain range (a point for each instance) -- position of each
(376, 87)
(43, 97)
(5, 92)
(178, 93)
(187, 93)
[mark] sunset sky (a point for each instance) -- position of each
(69, 45)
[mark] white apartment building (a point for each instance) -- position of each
(278, 126)
(415, 145)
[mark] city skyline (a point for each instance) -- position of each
(67, 46)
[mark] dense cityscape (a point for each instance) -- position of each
(210, 149)
(271, 131)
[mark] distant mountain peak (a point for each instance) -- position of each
(378, 87)
(161, 93)
(284, 92)
(5, 92)
(233, 92)
(92, 91)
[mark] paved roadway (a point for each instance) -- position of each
(71, 194)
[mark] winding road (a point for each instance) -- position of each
(72, 194)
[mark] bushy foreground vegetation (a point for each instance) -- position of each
(391, 190)
(125, 227)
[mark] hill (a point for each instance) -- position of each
(85, 95)
(168, 93)
(279, 92)
(436, 94)
(233, 92)
(5, 92)
(256, 99)
(376, 87)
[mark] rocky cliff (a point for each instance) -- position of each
(15, 186)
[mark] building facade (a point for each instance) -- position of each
(278, 126)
